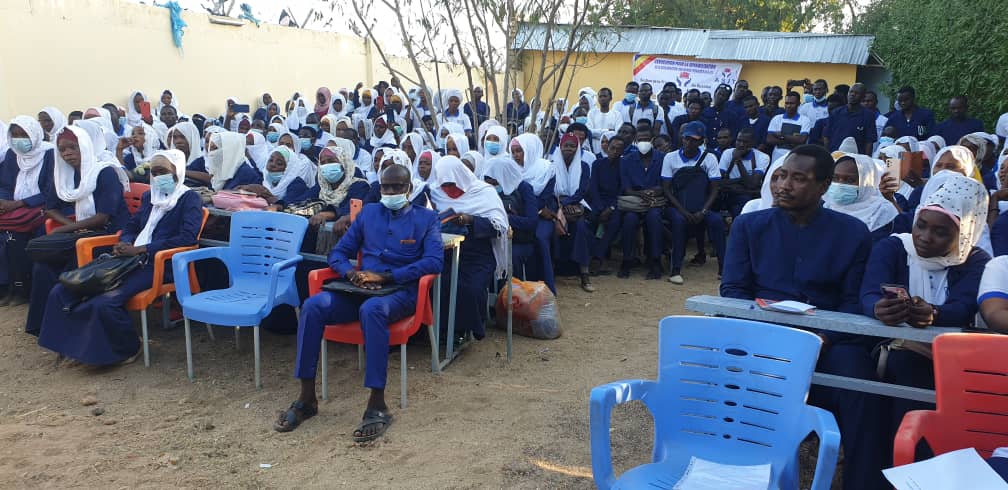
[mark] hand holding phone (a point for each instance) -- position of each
(145, 111)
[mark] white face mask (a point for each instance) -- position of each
(644, 147)
(563, 128)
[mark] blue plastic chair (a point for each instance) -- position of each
(728, 391)
(260, 259)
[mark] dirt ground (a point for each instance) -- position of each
(482, 423)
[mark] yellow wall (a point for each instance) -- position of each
(613, 70)
(78, 53)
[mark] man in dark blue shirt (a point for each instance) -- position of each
(754, 119)
(603, 190)
(852, 121)
(959, 123)
(720, 115)
(399, 243)
(694, 112)
(482, 110)
(911, 120)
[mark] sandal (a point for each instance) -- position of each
(372, 418)
(586, 284)
(294, 416)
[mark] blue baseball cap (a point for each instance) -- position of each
(694, 129)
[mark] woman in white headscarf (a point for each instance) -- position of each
(98, 330)
(185, 137)
(522, 210)
(383, 134)
(289, 179)
(257, 150)
(765, 201)
(412, 144)
(137, 149)
(570, 187)
(423, 170)
(134, 117)
(495, 142)
(103, 117)
(298, 114)
(474, 161)
(52, 121)
(941, 266)
(480, 216)
(168, 98)
(366, 106)
(481, 132)
(97, 139)
(339, 107)
(226, 164)
(956, 158)
(25, 179)
(527, 152)
(456, 144)
(855, 191)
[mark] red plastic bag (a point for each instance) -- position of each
(534, 310)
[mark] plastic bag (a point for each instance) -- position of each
(534, 310)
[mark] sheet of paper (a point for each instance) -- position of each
(958, 469)
(707, 475)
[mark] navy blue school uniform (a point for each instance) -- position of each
(245, 175)
(298, 192)
(999, 235)
(523, 216)
(717, 120)
(405, 243)
(109, 200)
(260, 114)
(821, 263)
(312, 153)
(604, 188)
(815, 136)
(476, 268)
(635, 177)
(888, 265)
(921, 124)
(843, 123)
(544, 239)
(482, 113)
(952, 129)
(15, 263)
(770, 113)
(575, 246)
(99, 331)
(758, 125)
(712, 225)
(517, 115)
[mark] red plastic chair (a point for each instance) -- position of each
(971, 384)
(351, 333)
(133, 197)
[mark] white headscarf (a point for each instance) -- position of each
(505, 171)
(502, 136)
(978, 140)
(416, 166)
(848, 146)
(479, 199)
(133, 116)
(298, 116)
(765, 201)
(150, 146)
(938, 141)
(295, 168)
(961, 154)
(4, 144)
(536, 170)
(223, 163)
(482, 132)
(161, 105)
(461, 143)
(416, 141)
(189, 131)
(338, 96)
(909, 140)
(343, 149)
(477, 160)
(30, 163)
(162, 203)
(870, 207)
(364, 110)
(97, 138)
(59, 121)
(259, 150)
(83, 194)
(105, 119)
(955, 195)
(568, 179)
(385, 139)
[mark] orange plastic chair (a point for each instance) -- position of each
(971, 387)
(159, 289)
(133, 197)
(351, 333)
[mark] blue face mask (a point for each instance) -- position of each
(164, 183)
(313, 126)
(331, 172)
(305, 144)
(581, 120)
(807, 98)
(492, 147)
(500, 188)
(21, 145)
(122, 122)
(842, 194)
(630, 98)
(395, 202)
(273, 137)
(274, 177)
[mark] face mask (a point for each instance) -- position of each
(273, 137)
(165, 183)
(399, 130)
(644, 147)
(274, 177)
(885, 141)
(313, 126)
(563, 128)
(256, 131)
(395, 202)
(331, 172)
(630, 98)
(122, 122)
(21, 145)
(305, 144)
(500, 188)
(581, 120)
(842, 194)
(807, 98)
(216, 156)
(819, 100)
(493, 147)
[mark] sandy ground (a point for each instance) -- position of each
(482, 423)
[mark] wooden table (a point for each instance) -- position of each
(835, 322)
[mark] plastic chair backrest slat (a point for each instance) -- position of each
(731, 388)
(260, 239)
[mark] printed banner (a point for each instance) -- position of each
(687, 74)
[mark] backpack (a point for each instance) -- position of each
(687, 188)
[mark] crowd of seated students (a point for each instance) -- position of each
(785, 218)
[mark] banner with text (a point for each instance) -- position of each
(687, 74)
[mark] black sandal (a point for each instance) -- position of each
(293, 417)
(372, 417)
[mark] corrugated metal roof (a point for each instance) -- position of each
(712, 44)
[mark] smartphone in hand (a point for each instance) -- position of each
(145, 111)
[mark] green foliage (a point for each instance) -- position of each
(755, 15)
(943, 48)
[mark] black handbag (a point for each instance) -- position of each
(56, 248)
(101, 275)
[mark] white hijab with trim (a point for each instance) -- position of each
(502, 136)
(505, 171)
(82, 195)
(295, 168)
(388, 138)
(162, 203)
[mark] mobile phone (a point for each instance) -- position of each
(894, 291)
(240, 108)
(894, 167)
(145, 112)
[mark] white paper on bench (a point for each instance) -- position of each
(958, 469)
(708, 475)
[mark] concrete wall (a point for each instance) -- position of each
(614, 70)
(73, 54)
